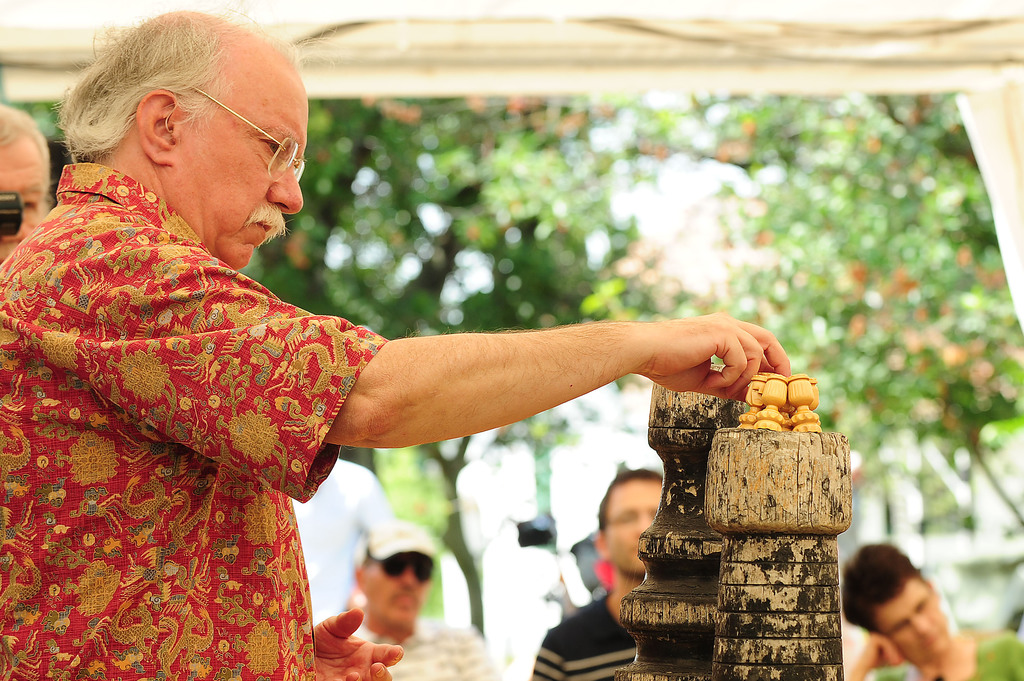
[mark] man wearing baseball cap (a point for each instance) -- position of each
(395, 565)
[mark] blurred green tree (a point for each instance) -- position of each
(879, 269)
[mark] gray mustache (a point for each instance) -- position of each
(268, 215)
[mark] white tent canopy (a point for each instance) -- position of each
(452, 47)
(541, 47)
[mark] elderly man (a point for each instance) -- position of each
(887, 595)
(159, 409)
(25, 169)
(394, 572)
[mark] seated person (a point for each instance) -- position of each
(394, 570)
(887, 595)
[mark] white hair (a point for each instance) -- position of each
(178, 51)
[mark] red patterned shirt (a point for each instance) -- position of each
(158, 410)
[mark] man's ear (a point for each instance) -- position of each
(156, 118)
(601, 545)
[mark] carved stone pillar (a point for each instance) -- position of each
(779, 499)
(672, 614)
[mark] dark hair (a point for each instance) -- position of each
(621, 478)
(874, 576)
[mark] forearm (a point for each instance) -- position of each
(426, 389)
(858, 671)
(438, 387)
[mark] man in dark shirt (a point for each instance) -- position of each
(591, 644)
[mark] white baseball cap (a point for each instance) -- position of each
(393, 537)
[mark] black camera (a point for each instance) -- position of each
(10, 213)
(537, 532)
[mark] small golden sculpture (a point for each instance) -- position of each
(774, 397)
(753, 398)
(781, 403)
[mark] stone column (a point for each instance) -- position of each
(779, 499)
(672, 614)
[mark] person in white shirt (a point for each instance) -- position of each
(331, 524)
(396, 564)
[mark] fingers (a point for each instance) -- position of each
(378, 672)
(343, 624)
(777, 360)
(746, 349)
(740, 365)
(890, 653)
(773, 355)
(388, 655)
(879, 651)
(678, 361)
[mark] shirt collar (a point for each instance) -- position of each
(88, 182)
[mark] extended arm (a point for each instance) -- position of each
(434, 388)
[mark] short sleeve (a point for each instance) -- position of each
(183, 349)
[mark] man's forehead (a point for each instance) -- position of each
(20, 156)
(28, 180)
(33, 188)
(640, 489)
(903, 604)
(634, 494)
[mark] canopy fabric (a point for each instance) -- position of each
(556, 47)
(481, 47)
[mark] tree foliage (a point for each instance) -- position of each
(882, 274)
(448, 215)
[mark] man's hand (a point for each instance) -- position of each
(343, 657)
(878, 652)
(683, 350)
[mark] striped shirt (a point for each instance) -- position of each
(588, 646)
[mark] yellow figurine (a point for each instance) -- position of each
(803, 395)
(774, 397)
(781, 403)
(748, 419)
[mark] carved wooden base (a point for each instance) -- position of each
(779, 499)
(672, 614)
(742, 566)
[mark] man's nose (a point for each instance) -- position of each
(922, 623)
(409, 575)
(285, 193)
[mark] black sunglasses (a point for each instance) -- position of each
(396, 565)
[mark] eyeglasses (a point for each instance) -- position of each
(285, 156)
(633, 516)
(396, 565)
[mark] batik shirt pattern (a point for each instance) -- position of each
(158, 410)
